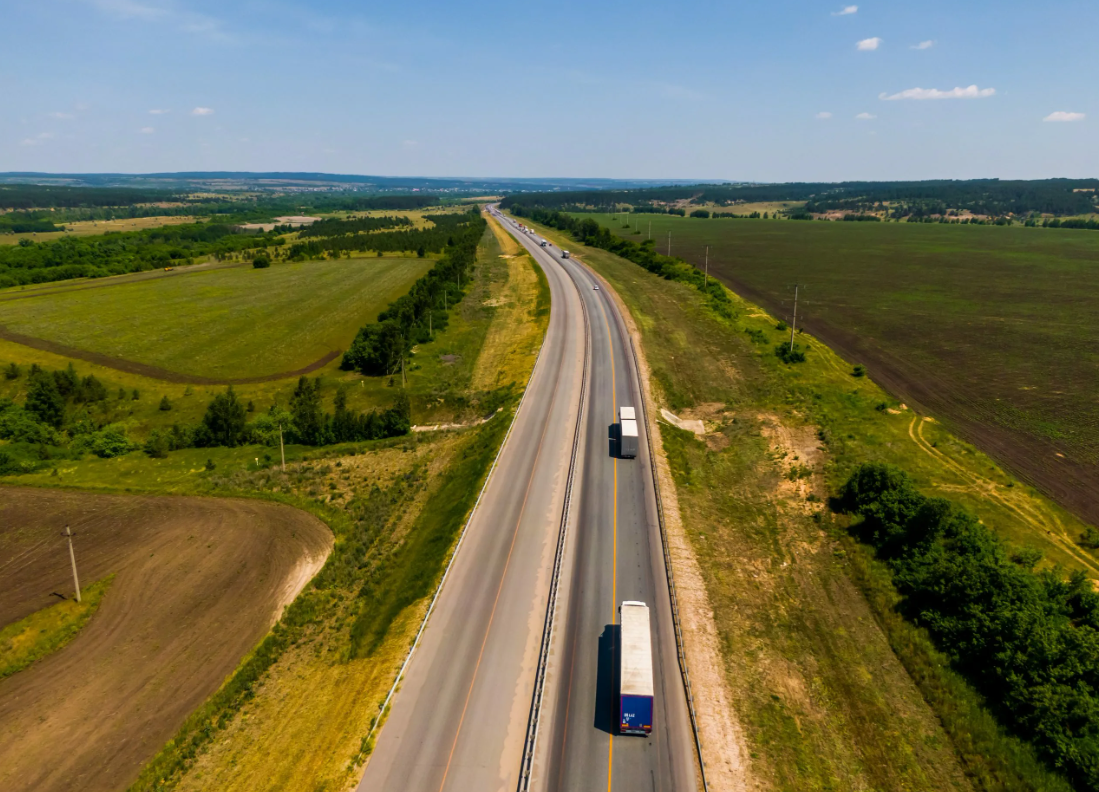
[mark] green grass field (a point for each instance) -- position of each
(227, 323)
(991, 329)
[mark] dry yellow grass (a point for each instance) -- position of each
(517, 328)
(304, 730)
(93, 227)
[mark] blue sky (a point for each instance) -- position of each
(781, 90)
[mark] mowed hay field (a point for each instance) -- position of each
(233, 323)
(198, 582)
(989, 328)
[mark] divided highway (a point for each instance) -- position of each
(459, 721)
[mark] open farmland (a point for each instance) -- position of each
(992, 329)
(96, 227)
(198, 582)
(219, 324)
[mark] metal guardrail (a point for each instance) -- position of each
(680, 652)
(668, 570)
(531, 743)
(532, 729)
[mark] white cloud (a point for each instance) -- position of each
(824, 115)
(866, 116)
(867, 45)
(37, 139)
(846, 10)
(675, 91)
(163, 11)
(159, 112)
(62, 116)
(1062, 116)
(923, 45)
(147, 130)
(130, 9)
(972, 92)
(202, 111)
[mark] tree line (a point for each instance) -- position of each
(119, 253)
(589, 232)
(380, 348)
(306, 422)
(991, 197)
(66, 416)
(1026, 639)
(332, 226)
(420, 240)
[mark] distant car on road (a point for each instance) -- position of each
(596, 287)
(544, 243)
(564, 254)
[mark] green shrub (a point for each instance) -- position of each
(859, 371)
(1027, 640)
(789, 355)
(261, 261)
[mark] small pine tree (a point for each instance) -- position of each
(165, 405)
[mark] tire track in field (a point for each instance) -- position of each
(155, 372)
(1041, 521)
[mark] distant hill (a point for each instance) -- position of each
(312, 182)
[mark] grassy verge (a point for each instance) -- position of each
(44, 632)
(810, 662)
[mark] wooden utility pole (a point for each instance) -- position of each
(72, 558)
(706, 280)
(282, 450)
(794, 322)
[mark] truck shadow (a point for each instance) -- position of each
(606, 681)
(614, 440)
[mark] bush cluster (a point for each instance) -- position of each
(1028, 640)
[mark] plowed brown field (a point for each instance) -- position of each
(199, 581)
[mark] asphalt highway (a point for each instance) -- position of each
(459, 720)
(614, 555)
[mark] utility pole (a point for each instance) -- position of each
(794, 322)
(669, 243)
(282, 449)
(706, 280)
(72, 558)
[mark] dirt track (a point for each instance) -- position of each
(199, 581)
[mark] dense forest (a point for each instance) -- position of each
(380, 348)
(991, 197)
(116, 254)
(1026, 638)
